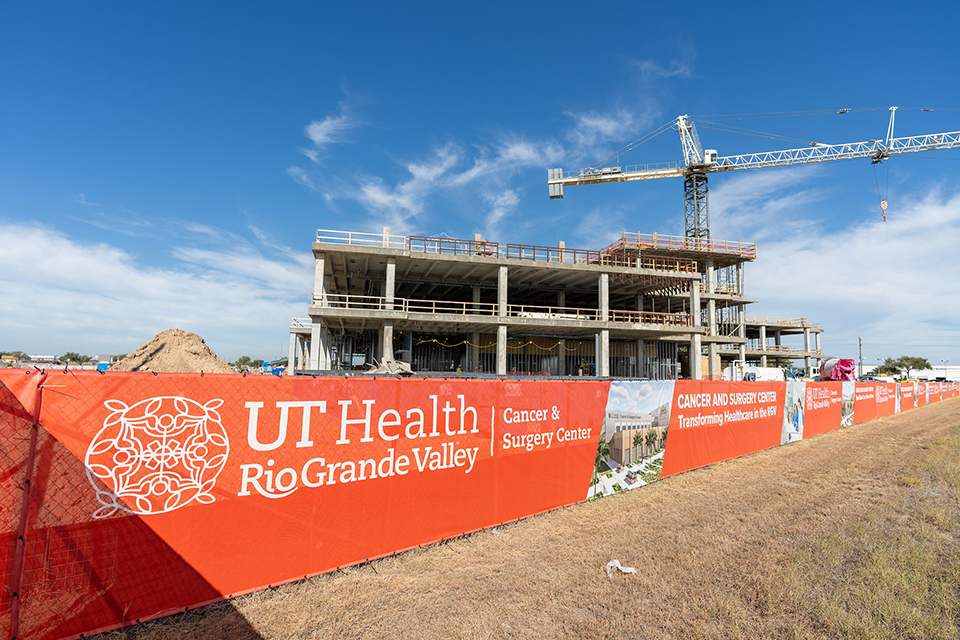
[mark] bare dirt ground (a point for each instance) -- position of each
(849, 534)
(174, 350)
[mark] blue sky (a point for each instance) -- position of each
(167, 164)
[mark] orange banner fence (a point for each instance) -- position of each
(129, 496)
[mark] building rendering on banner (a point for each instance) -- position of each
(645, 306)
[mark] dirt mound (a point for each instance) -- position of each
(174, 350)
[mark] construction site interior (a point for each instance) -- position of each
(637, 308)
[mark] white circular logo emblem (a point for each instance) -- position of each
(156, 455)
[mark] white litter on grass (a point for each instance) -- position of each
(616, 564)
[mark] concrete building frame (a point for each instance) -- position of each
(642, 307)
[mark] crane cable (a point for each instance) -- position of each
(883, 201)
(636, 143)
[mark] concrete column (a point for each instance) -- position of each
(560, 245)
(695, 305)
(604, 287)
(386, 236)
(763, 345)
(562, 346)
(314, 362)
(641, 356)
(817, 338)
(319, 282)
(776, 337)
(476, 299)
(603, 351)
(696, 368)
(319, 347)
(603, 358)
(640, 302)
(474, 352)
(740, 279)
(502, 350)
(806, 349)
(391, 282)
(387, 349)
(291, 355)
(713, 372)
(741, 319)
(502, 293)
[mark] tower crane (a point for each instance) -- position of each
(697, 163)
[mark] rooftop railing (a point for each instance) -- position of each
(720, 287)
(681, 243)
(800, 322)
(362, 239)
(772, 348)
(486, 248)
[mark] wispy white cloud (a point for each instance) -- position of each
(764, 204)
(333, 129)
(501, 205)
(652, 70)
(302, 177)
(599, 228)
(864, 277)
(680, 66)
(127, 224)
(507, 156)
(465, 174)
(591, 130)
(82, 199)
(196, 228)
(64, 295)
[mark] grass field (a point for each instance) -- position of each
(852, 534)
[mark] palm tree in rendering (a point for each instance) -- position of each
(652, 440)
(637, 441)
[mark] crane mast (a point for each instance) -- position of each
(697, 163)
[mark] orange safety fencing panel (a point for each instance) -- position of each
(17, 442)
(936, 391)
(822, 407)
(908, 395)
(153, 493)
(129, 496)
(865, 402)
(885, 398)
(714, 421)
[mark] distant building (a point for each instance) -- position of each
(621, 430)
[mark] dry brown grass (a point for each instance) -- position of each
(851, 534)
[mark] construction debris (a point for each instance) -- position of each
(393, 367)
(615, 564)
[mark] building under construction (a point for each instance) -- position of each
(646, 306)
